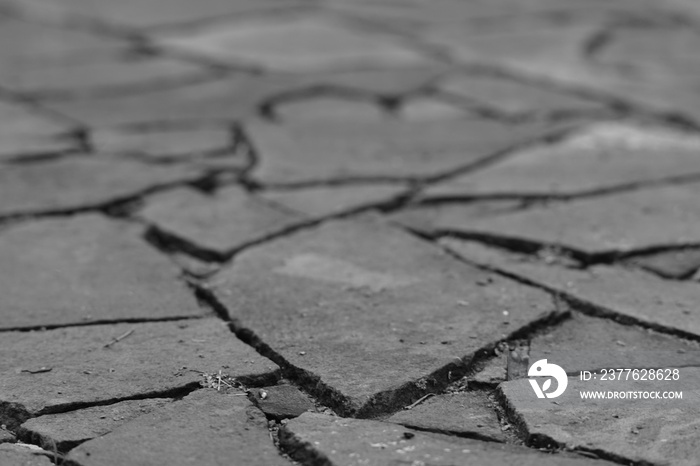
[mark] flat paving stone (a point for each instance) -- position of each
(374, 312)
(341, 441)
(205, 427)
(631, 430)
(321, 108)
(663, 216)
(64, 369)
(629, 294)
(596, 157)
(299, 152)
(282, 401)
(65, 431)
(293, 43)
(321, 201)
(467, 414)
(218, 224)
(85, 269)
(427, 108)
(25, 132)
(72, 183)
(17, 455)
(515, 98)
(680, 264)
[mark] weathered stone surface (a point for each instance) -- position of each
(629, 294)
(65, 431)
(218, 224)
(427, 108)
(54, 370)
(321, 201)
(370, 309)
(25, 132)
(680, 264)
(320, 108)
(282, 401)
(620, 222)
(86, 269)
(74, 182)
(515, 98)
(293, 43)
(340, 441)
(632, 430)
(299, 152)
(6, 436)
(206, 427)
(598, 156)
(19, 455)
(465, 413)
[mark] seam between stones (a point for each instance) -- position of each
(135, 320)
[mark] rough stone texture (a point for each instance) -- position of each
(65, 431)
(339, 441)
(321, 201)
(81, 181)
(18, 455)
(6, 436)
(298, 152)
(656, 302)
(371, 309)
(153, 360)
(282, 401)
(599, 156)
(218, 224)
(679, 264)
(653, 431)
(294, 43)
(467, 414)
(206, 427)
(622, 222)
(88, 269)
(514, 98)
(25, 132)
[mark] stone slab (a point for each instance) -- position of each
(76, 182)
(86, 269)
(596, 157)
(323, 107)
(371, 309)
(631, 430)
(629, 294)
(422, 108)
(282, 401)
(468, 414)
(340, 441)
(662, 216)
(18, 455)
(217, 224)
(65, 431)
(294, 42)
(59, 370)
(680, 264)
(321, 201)
(205, 427)
(297, 152)
(6, 436)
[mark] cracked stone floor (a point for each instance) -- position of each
(336, 232)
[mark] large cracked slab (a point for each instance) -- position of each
(217, 224)
(84, 269)
(26, 132)
(377, 314)
(299, 152)
(65, 431)
(467, 414)
(663, 216)
(626, 294)
(597, 157)
(18, 455)
(294, 43)
(205, 427)
(76, 182)
(319, 439)
(650, 431)
(68, 368)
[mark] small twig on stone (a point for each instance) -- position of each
(119, 338)
(419, 401)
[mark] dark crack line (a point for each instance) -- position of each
(127, 320)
